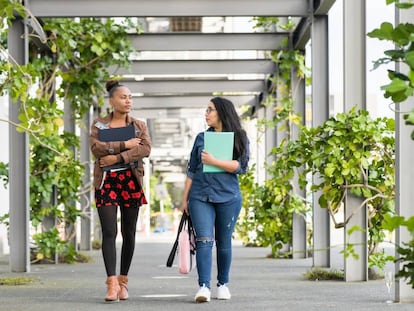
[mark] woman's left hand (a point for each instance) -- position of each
(184, 207)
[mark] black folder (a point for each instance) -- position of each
(117, 134)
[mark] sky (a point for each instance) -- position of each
(376, 12)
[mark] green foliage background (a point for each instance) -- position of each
(70, 69)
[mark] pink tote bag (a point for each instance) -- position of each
(186, 248)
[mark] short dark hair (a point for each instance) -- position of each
(111, 86)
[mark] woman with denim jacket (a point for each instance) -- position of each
(213, 200)
(121, 187)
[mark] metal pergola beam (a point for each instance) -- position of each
(193, 67)
(188, 102)
(177, 87)
(166, 8)
(207, 41)
(302, 34)
(322, 7)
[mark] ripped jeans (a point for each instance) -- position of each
(214, 221)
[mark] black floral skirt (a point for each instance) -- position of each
(120, 189)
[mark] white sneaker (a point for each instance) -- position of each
(203, 294)
(223, 292)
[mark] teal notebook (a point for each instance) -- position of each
(220, 145)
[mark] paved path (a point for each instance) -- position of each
(257, 283)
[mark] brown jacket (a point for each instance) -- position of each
(100, 148)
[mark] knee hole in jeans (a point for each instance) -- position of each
(205, 240)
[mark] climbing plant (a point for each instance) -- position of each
(69, 69)
(350, 153)
(268, 208)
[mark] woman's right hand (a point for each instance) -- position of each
(133, 142)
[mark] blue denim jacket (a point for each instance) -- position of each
(213, 187)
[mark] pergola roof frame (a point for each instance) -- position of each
(193, 41)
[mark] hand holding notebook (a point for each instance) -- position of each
(220, 145)
(117, 134)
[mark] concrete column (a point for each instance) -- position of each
(270, 138)
(19, 186)
(356, 269)
(261, 151)
(69, 126)
(299, 221)
(86, 198)
(320, 113)
(404, 172)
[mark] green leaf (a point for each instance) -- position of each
(410, 225)
(404, 5)
(383, 33)
(330, 170)
(396, 85)
(410, 59)
(391, 223)
(355, 229)
(392, 74)
(409, 118)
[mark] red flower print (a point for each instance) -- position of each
(112, 174)
(118, 186)
(125, 195)
(107, 186)
(136, 195)
(121, 177)
(128, 173)
(131, 185)
(112, 195)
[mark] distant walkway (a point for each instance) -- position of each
(256, 284)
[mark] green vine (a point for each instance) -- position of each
(350, 153)
(268, 209)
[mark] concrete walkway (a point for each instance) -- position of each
(257, 283)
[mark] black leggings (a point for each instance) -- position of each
(108, 218)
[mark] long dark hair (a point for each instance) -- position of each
(231, 123)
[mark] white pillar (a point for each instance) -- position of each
(356, 269)
(18, 165)
(404, 172)
(86, 199)
(299, 221)
(320, 113)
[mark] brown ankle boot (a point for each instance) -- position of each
(112, 294)
(123, 282)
